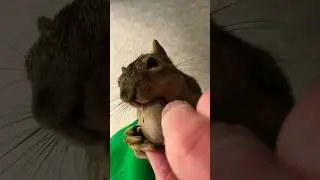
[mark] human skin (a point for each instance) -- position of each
(195, 125)
(235, 152)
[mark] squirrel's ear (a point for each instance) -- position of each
(44, 24)
(157, 48)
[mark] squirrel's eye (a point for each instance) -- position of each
(152, 63)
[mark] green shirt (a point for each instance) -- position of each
(123, 163)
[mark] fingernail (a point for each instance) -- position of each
(174, 105)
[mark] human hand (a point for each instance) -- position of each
(238, 154)
(187, 142)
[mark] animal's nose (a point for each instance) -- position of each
(128, 94)
(152, 64)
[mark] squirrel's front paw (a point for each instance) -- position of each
(138, 143)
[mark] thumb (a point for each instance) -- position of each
(187, 141)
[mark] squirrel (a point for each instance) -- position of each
(67, 68)
(148, 84)
(247, 88)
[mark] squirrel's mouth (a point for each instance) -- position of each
(138, 100)
(145, 103)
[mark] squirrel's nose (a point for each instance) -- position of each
(128, 94)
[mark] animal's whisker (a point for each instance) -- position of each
(123, 111)
(122, 107)
(36, 131)
(217, 5)
(287, 61)
(126, 112)
(254, 21)
(11, 83)
(193, 68)
(119, 113)
(115, 86)
(131, 112)
(53, 144)
(115, 100)
(252, 28)
(54, 168)
(52, 156)
(226, 6)
(116, 116)
(186, 66)
(16, 136)
(11, 69)
(115, 109)
(15, 113)
(75, 163)
(62, 159)
(42, 140)
(116, 106)
(86, 159)
(23, 54)
(83, 153)
(190, 69)
(189, 60)
(15, 122)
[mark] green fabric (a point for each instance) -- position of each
(123, 163)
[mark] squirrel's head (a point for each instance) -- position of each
(153, 76)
